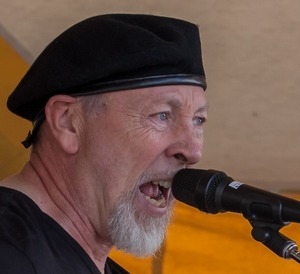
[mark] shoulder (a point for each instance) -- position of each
(19, 217)
(14, 261)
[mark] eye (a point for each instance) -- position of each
(199, 120)
(163, 116)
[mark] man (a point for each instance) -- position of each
(118, 105)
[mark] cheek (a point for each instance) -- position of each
(122, 154)
(145, 145)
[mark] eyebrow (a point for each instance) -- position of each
(204, 108)
(176, 103)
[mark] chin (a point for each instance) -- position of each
(136, 231)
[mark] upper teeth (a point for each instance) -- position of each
(165, 184)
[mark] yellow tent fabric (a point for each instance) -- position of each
(195, 243)
(12, 128)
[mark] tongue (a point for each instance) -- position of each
(150, 190)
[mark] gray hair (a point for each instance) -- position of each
(93, 105)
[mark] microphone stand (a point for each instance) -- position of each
(270, 236)
(265, 216)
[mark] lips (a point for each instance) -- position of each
(156, 193)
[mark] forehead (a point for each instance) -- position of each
(180, 96)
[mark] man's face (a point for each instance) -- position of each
(135, 146)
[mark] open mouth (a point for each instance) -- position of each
(156, 192)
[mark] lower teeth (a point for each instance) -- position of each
(160, 202)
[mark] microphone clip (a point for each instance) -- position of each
(268, 234)
(265, 217)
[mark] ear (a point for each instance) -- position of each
(62, 118)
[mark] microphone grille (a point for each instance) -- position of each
(212, 182)
(197, 188)
(184, 185)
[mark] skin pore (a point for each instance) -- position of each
(104, 173)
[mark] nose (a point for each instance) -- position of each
(187, 146)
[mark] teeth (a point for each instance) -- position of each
(160, 200)
(158, 203)
(165, 184)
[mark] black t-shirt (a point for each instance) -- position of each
(31, 242)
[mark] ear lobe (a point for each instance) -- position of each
(61, 115)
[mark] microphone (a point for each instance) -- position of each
(212, 191)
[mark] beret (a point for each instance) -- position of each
(111, 52)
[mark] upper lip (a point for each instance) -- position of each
(164, 179)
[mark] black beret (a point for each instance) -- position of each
(109, 53)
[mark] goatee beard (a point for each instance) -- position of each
(133, 231)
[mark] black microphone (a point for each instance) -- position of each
(213, 191)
